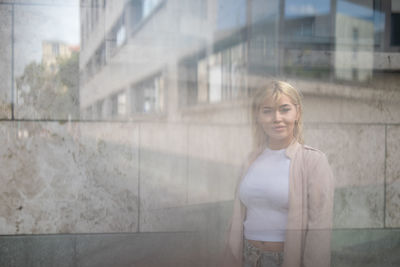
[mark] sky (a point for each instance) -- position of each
(354, 10)
(299, 8)
(36, 23)
(231, 14)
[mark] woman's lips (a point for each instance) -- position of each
(278, 128)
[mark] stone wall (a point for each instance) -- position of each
(88, 193)
(121, 177)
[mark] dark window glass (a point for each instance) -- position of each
(395, 33)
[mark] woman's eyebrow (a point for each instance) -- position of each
(284, 105)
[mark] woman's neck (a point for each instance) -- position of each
(279, 144)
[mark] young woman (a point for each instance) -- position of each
(283, 206)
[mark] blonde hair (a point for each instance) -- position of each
(275, 89)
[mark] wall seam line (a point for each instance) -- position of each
(187, 164)
(12, 62)
(139, 174)
(385, 180)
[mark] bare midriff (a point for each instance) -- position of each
(267, 246)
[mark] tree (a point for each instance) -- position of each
(46, 94)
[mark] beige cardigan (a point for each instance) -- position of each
(311, 189)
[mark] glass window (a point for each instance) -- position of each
(148, 96)
(121, 106)
(149, 6)
(121, 35)
(100, 109)
(395, 22)
(118, 105)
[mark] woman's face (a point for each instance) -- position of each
(277, 118)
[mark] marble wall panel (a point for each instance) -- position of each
(39, 178)
(374, 102)
(326, 108)
(5, 59)
(67, 178)
(216, 154)
(163, 169)
(393, 176)
(197, 217)
(109, 158)
(46, 61)
(211, 181)
(233, 113)
(357, 156)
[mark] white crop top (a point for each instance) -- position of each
(265, 193)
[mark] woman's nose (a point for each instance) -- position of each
(277, 115)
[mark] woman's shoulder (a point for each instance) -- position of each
(312, 150)
(317, 167)
(313, 155)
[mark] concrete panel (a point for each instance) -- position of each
(366, 247)
(194, 235)
(357, 156)
(67, 178)
(5, 59)
(363, 247)
(205, 224)
(393, 177)
(144, 250)
(46, 61)
(216, 156)
(37, 251)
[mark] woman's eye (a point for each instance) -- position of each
(284, 110)
(267, 111)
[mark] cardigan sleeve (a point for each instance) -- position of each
(320, 193)
(232, 256)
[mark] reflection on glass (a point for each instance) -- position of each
(305, 39)
(395, 22)
(147, 96)
(354, 40)
(149, 6)
(231, 14)
(178, 76)
(306, 8)
(46, 61)
(237, 39)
